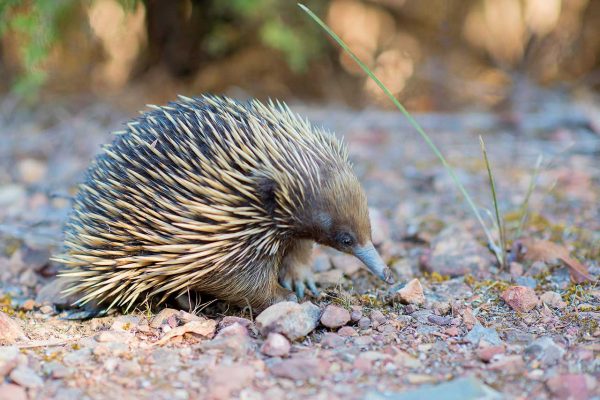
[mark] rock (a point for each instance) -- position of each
(26, 377)
(229, 320)
(9, 357)
(356, 313)
(378, 316)
(335, 316)
(520, 298)
(411, 293)
(459, 389)
(479, 332)
(545, 350)
(508, 364)
(291, 319)
(346, 263)
(553, 299)
(438, 320)
(347, 331)
(422, 316)
(364, 323)
(8, 391)
(10, 331)
(571, 386)
(235, 329)
(161, 318)
(469, 318)
(452, 331)
(300, 369)
(332, 340)
(276, 345)
(486, 353)
(456, 252)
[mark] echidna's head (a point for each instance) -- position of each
(338, 217)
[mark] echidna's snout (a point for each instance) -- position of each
(371, 258)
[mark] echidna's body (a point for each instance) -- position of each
(213, 196)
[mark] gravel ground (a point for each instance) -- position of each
(457, 326)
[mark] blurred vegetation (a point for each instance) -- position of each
(434, 54)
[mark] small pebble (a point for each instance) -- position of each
(276, 345)
(347, 331)
(335, 316)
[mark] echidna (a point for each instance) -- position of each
(217, 197)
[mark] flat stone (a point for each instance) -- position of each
(291, 319)
(479, 332)
(335, 316)
(26, 377)
(520, 298)
(276, 345)
(459, 389)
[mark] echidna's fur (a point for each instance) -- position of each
(209, 195)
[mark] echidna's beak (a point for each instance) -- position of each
(371, 258)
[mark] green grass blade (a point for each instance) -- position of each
(501, 250)
(411, 120)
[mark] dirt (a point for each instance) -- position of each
(459, 333)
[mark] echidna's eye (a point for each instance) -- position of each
(345, 239)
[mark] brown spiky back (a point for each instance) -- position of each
(181, 199)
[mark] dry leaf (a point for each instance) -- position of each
(205, 328)
(542, 250)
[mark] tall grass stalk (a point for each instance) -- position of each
(499, 249)
(411, 120)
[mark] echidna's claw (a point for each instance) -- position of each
(287, 283)
(310, 282)
(299, 289)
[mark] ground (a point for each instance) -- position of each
(480, 330)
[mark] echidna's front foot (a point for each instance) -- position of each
(298, 278)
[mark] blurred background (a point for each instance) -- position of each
(434, 55)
